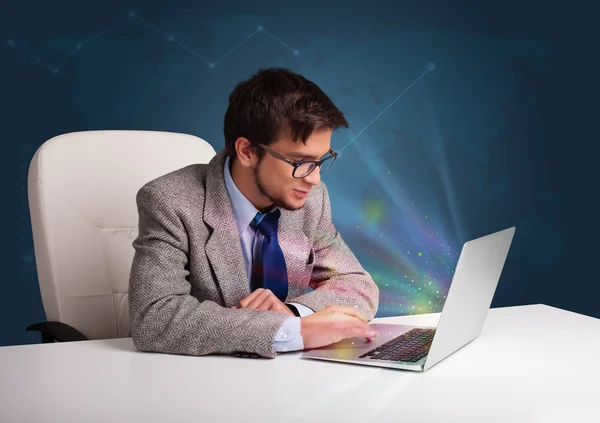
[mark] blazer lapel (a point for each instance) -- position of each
(223, 247)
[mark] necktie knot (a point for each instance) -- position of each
(266, 224)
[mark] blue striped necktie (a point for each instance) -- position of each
(268, 267)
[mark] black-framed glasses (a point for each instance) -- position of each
(304, 168)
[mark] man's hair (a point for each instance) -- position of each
(275, 102)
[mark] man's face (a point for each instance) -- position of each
(274, 179)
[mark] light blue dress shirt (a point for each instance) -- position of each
(288, 338)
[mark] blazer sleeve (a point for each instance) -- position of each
(337, 278)
(164, 316)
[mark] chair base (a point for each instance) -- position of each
(57, 331)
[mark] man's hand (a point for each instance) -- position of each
(264, 299)
(333, 324)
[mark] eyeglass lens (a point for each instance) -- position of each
(305, 168)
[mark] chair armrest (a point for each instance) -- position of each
(58, 331)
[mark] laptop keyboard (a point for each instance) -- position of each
(410, 346)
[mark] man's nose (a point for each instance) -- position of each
(314, 177)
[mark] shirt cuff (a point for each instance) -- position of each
(302, 309)
(289, 338)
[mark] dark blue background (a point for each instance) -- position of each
(501, 133)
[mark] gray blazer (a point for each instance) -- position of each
(188, 268)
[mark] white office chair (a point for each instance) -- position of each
(82, 188)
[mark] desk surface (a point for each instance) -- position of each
(531, 363)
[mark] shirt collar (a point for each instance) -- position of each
(243, 210)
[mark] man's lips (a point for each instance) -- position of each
(300, 193)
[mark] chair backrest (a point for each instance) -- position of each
(82, 188)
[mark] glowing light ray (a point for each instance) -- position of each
(444, 172)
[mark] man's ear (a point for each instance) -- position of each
(246, 154)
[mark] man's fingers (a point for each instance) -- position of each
(265, 301)
(362, 330)
(244, 303)
(267, 304)
(350, 311)
(259, 299)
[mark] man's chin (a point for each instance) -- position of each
(292, 205)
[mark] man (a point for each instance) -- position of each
(227, 251)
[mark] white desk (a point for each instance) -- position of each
(530, 364)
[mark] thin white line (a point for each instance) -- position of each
(230, 51)
(32, 56)
(90, 39)
(278, 40)
(68, 57)
(390, 105)
(151, 26)
(103, 31)
(72, 52)
(169, 37)
(191, 51)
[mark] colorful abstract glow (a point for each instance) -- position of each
(397, 229)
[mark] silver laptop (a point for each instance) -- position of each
(419, 348)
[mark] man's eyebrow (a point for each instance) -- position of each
(301, 155)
